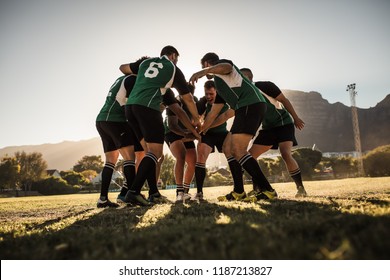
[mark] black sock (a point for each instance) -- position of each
(200, 175)
(252, 167)
(152, 182)
(108, 169)
(179, 188)
(236, 170)
(186, 188)
(129, 172)
(147, 165)
(296, 176)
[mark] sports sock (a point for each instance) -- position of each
(200, 175)
(252, 167)
(147, 165)
(236, 170)
(107, 171)
(129, 171)
(296, 176)
(179, 188)
(186, 188)
(152, 182)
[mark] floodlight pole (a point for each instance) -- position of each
(356, 132)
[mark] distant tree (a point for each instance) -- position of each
(73, 178)
(307, 159)
(264, 164)
(377, 162)
(216, 179)
(167, 170)
(32, 168)
(89, 175)
(343, 166)
(89, 163)
(9, 173)
(52, 186)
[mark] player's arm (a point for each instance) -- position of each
(173, 124)
(223, 68)
(211, 116)
(183, 117)
(300, 124)
(222, 118)
(125, 69)
(132, 68)
(180, 84)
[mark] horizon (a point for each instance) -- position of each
(165, 147)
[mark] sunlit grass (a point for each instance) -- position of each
(340, 219)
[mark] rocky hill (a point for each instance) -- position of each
(328, 126)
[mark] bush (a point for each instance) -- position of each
(53, 186)
(307, 160)
(377, 162)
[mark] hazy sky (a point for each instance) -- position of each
(59, 58)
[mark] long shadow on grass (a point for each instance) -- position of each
(281, 229)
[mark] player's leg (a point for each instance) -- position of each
(247, 121)
(235, 167)
(203, 152)
(189, 171)
(292, 167)
(255, 151)
(178, 150)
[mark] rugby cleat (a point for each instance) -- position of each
(301, 192)
(106, 203)
(264, 195)
(232, 196)
(121, 199)
(198, 197)
(137, 199)
(158, 198)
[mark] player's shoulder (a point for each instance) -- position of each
(223, 60)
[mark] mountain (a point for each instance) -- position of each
(61, 156)
(328, 126)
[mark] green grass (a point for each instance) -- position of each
(341, 219)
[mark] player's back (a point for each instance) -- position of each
(155, 76)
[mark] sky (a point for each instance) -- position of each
(59, 58)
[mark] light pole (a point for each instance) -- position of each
(355, 122)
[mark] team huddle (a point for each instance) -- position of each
(131, 124)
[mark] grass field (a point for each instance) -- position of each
(341, 219)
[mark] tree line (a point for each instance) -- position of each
(28, 172)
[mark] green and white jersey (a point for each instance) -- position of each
(276, 114)
(155, 76)
(236, 89)
(113, 109)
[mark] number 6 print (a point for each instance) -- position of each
(152, 70)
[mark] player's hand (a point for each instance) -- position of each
(196, 76)
(300, 124)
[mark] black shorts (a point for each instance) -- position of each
(274, 136)
(115, 135)
(214, 140)
(147, 123)
(171, 137)
(137, 145)
(247, 119)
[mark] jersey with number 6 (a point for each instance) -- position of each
(155, 76)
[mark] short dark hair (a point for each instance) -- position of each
(168, 50)
(210, 57)
(247, 70)
(209, 84)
